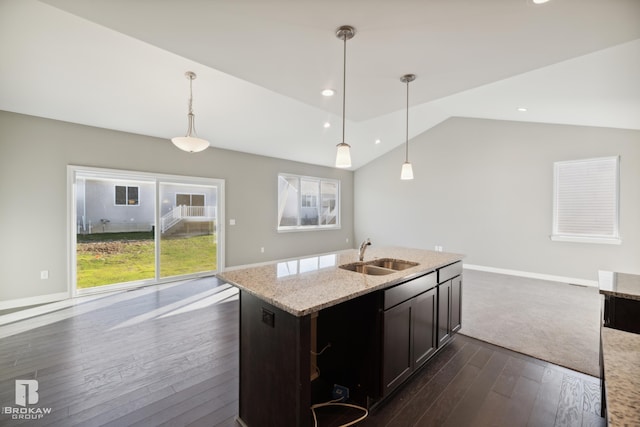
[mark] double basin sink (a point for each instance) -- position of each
(379, 267)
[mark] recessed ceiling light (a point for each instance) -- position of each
(522, 109)
(378, 141)
(539, 1)
(328, 92)
(327, 125)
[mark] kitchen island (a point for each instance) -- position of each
(620, 348)
(307, 324)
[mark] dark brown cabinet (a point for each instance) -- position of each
(409, 329)
(397, 346)
(424, 327)
(449, 301)
(444, 303)
(456, 304)
(622, 313)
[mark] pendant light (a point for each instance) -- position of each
(407, 170)
(343, 155)
(190, 143)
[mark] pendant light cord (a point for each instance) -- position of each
(190, 95)
(407, 127)
(344, 82)
(192, 125)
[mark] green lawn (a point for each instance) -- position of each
(104, 261)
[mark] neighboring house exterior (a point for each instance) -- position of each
(110, 206)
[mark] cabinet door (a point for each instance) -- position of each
(397, 346)
(444, 320)
(456, 304)
(424, 326)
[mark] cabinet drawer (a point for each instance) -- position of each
(397, 294)
(449, 272)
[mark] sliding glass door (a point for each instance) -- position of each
(188, 242)
(131, 228)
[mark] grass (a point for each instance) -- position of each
(106, 261)
(188, 255)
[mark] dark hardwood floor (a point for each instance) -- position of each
(168, 355)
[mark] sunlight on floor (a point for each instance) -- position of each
(180, 306)
(227, 295)
(29, 319)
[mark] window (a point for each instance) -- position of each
(585, 207)
(127, 195)
(307, 203)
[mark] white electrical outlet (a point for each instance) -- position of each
(232, 222)
(44, 274)
(262, 249)
(347, 240)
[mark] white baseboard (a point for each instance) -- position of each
(552, 278)
(40, 299)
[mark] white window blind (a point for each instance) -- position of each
(586, 200)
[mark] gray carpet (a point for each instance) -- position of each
(552, 321)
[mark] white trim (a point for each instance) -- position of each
(549, 277)
(72, 237)
(221, 225)
(579, 239)
(40, 299)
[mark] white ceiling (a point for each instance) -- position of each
(262, 64)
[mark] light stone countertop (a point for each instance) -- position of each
(308, 284)
(621, 352)
(621, 285)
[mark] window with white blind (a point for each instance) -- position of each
(585, 200)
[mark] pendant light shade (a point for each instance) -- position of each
(190, 143)
(407, 170)
(343, 154)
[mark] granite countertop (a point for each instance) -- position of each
(306, 285)
(619, 285)
(621, 353)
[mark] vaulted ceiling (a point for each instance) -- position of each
(261, 66)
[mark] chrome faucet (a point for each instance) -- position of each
(363, 247)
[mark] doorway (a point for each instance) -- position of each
(131, 228)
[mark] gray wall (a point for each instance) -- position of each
(35, 152)
(484, 188)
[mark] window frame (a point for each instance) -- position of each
(558, 236)
(318, 204)
(126, 187)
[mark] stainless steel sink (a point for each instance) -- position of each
(393, 264)
(379, 267)
(360, 267)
